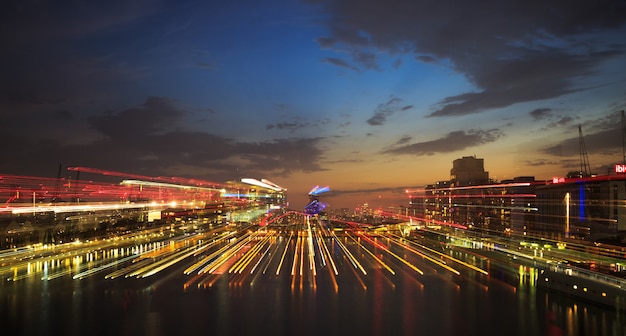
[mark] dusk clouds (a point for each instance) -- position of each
(512, 52)
(315, 90)
(152, 139)
(386, 110)
(451, 142)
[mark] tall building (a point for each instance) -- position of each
(467, 171)
(521, 205)
(468, 204)
(433, 204)
(590, 208)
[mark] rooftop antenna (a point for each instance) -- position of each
(585, 169)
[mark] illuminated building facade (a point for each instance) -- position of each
(576, 207)
(468, 205)
(591, 208)
(521, 209)
(434, 204)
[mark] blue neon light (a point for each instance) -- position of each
(581, 203)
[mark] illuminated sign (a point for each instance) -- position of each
(620, 168)
(558, 180)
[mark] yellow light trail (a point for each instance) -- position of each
(245, 260)
(330, 258)
(232, 249)
(358, 277)
(217, 263)
(373, 256)
(295, 256)
(261, 258)
(173, 260)
(234, 268)
(103, 267)
(99, 206)
(311, 249)
(191, 281)
(295, 262)
(128, 269)
(499, 248)
(280, 264)
(333, 277)
(272, 254)
(214, 240)
(233, 252)
(301, 255)
(198, 264)
(413, 267)
(449, 257)
(319, 247)
(440, 263)
(351, 257)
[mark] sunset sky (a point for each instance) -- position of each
(366, 96)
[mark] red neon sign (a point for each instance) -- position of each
(558, 180)
(620, 168)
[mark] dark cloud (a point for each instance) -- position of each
(207, 65)
(50, 20)
(425, 58)
(326, 42)
(540, 75)
(605, 141)
(608, 121)
(566, 164)
(344, 124)
(282, 156)
(351, 161)
(63, 114)
(339, 62)
(403, 140)
(289, 126)
(552, 119)
(150, 139)
(282, 106)
(47, 45)
(513, 51)
(541, 162)
(386, 110)
(156, 115)
(451, 142)
(540, 113)
(367, 59)
(561, 121)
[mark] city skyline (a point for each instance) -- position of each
(366, 97)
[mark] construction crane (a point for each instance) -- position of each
(585, 169)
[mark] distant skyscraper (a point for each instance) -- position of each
(468, 170)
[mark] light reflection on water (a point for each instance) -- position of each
(133, 307)
(235, 304)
